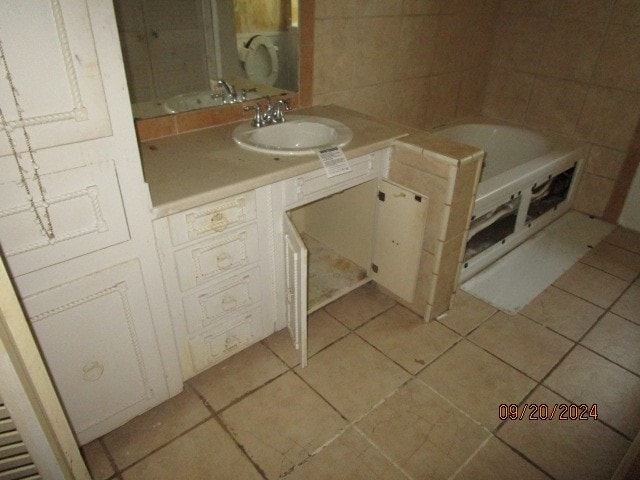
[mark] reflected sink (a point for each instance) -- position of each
(299, 135)
(191, 101)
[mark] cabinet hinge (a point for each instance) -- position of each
(381, 196)
(374, 267)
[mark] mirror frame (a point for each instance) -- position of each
(174, 124)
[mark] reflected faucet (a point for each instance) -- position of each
(232, 95)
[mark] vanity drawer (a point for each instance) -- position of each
(222, 253)
(212, 218)
(208, 306)
(314, 185)
(219, 342)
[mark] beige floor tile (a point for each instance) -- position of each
(205, 452)
(563, 312)
(155, 428)
(323, 330)
(281, 424)
(353, 376)
(407, 338)
(476, 382)
(360, 305)
(571, 449)
(614, 260)
(97, 461)
(586, 378)
(496, 461)
(522, 343)
(466, 313)
(421, 432)
(591, 284)
(237, 375)
(628, 306)
(350, 456)
(624, 238)
(617, 339)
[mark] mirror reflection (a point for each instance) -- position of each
(182, 55)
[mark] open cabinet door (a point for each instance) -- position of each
(295, 261)
(400, 221)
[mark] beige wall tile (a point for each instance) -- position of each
(379, 7)
(442, 99)
(604, 162)
(518, 42)
(417, 46)
(619, 60)
(555, 105)
(627, 12)
(585, 10)
(335, 8)
(412, 106)
(593, 194)
(472, 87)
(450, 53)
(334, 51)
(376, 48)
(421, 7)
(507, 95)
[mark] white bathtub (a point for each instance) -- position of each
(528, 180)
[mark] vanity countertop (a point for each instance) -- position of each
(192, 169)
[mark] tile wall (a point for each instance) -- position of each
(571, 67)
(418, 62)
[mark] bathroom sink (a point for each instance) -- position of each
(299, 135)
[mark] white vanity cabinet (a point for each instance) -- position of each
(215, 271)
(341, 232)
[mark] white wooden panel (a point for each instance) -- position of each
(296, 271)
(220, 341)
(400, 221)
(73, 108)
(222, 298)
(99, 344)
(213, 218)
(86, 214)
(199, 263)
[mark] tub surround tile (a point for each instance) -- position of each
(322, 330)
(155, 428)
(585, 201)
(586, 378)
(605, 162)
(628, 305)
(555, 105)
(591, 284)
(359, 306)
(626, 12)
(466, 313)
(614, 260)
(204, 452)
(424, 434)
(406, 338)
(412, 109)
(472, 87)
(466, 367)
(580, 450)
(335, 8)
(585, 10)
(619, 61)
(350, 456)
(376, 44)
(418, 35)
(496, 461)
(97, 461)
(281, 424)
(616, 339)
(563, 312)
(237, 375)
(507, 95)
(353, 376)
(442, 98)
(539, 349)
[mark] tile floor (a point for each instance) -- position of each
(388, 396)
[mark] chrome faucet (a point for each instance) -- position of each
(273, 113)
(232, 95)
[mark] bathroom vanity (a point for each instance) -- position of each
(250, 243)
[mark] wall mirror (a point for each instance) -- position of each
(183, 55)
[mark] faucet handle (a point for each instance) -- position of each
(258, 120)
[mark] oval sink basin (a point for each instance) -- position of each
(299, 135)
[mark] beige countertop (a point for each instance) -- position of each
(195, 168)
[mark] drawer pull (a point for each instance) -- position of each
(219, 222)
(232, 342)
(229, 303)
(225, 261)
(92, 371)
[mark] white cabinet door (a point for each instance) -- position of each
(99, 344)
(295, 260)
(400, 220)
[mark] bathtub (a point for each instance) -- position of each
(528, 180)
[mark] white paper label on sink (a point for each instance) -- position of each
(334, 160)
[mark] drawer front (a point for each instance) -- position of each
(223, 298)
(212, 218)
(219, 342)
(223, 253)
(316, 184)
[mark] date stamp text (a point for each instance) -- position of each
(543, 411)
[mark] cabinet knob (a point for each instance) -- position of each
(224, 260)
(219, 222)
(92, 371)
(229, 302)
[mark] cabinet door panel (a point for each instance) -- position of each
(295, 259)
(400, 220)
(98, 341)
